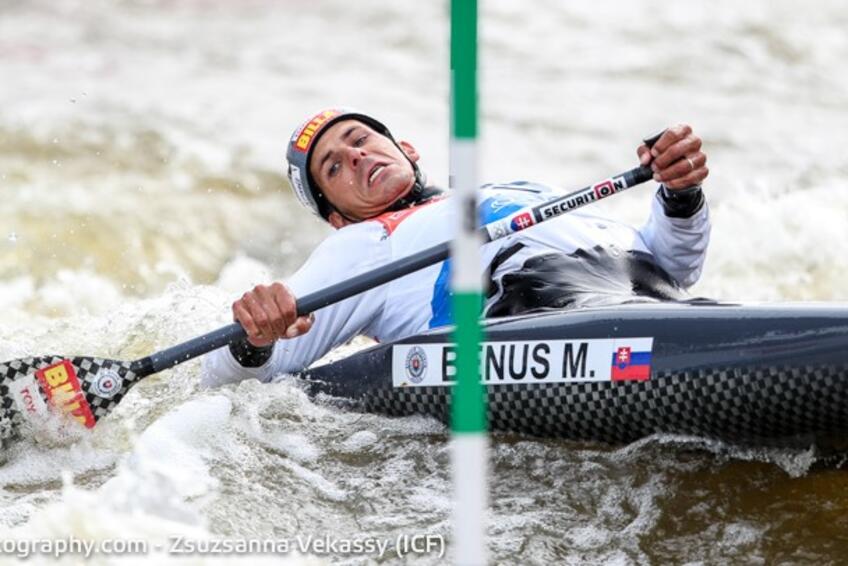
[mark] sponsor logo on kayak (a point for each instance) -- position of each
(527, 362)
(416, 364)
(28, 399)
(59, 382)
(303, 138)
(107, 383)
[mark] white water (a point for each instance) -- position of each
(141, 153)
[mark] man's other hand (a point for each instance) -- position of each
(676, 158)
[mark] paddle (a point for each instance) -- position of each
(88, 388)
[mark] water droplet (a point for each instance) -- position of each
(73, 101)
(13, 237)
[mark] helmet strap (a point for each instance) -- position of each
(418, 194)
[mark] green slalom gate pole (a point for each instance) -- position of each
(469, 443)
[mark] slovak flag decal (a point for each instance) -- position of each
(522, 221)
(630, 365)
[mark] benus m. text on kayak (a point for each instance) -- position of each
(347, 168)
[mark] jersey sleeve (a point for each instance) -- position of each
(349, 252)
(679, 245)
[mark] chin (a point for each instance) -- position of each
(399, 189)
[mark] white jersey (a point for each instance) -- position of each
(421, 300)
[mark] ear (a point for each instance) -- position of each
(409, 150)
(337, 221)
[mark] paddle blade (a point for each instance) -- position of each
(80, 388)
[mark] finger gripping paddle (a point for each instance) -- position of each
(86, 389)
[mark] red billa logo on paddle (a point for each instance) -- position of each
(63, 391)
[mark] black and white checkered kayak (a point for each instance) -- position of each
(767, 374)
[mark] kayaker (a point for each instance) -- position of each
(347, 168)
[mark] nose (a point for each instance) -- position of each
(354, 154)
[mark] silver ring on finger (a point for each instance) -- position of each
(691, 164)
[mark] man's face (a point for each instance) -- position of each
(360, 171)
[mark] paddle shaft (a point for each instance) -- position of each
(515, 222)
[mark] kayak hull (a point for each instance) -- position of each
(753, 374)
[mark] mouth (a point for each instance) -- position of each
(375, 171)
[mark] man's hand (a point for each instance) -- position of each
(269, 313)
(676, 158)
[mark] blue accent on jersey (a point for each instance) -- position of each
(508, 199)
(441, 302)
